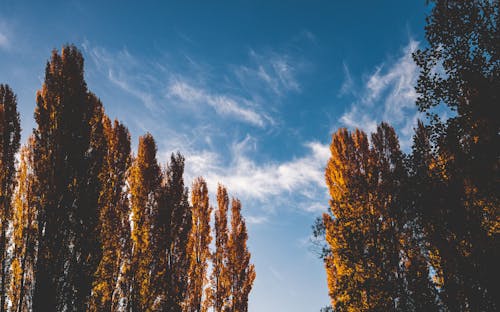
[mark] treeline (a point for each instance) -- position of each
(87, 226)
(419, 231)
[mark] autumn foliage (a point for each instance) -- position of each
(419, 231)
(86, 225)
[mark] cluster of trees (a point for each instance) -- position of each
(86, 226)
(419, 232)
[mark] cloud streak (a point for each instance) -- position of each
(4, 41)
(124, 71)
(148, 81)
(272, 71)
(348, 84)
(224, 105)
(4, 36)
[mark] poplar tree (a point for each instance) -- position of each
(365, 229)
(114, 227)
(24, 236)
(10, 134)
(350, 276)
(145, 183)
(218, 293)
(67, 160)
(389, 187)
(413, 288)
(198, 245)
(241, 271)
(174, 227)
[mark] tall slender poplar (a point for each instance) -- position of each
(10, 135)
(145, 183)
(241, 271)
(198, 245)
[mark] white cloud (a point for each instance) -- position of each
(248, 179)
(355, 118)
(256, 219)
(224, 105)
(388, 95)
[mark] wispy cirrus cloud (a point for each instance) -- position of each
(224, 105)
(348, 84)
(4, 41)
(5, 34)
(147, 81)
(201, 138)
(124, 71)
(388, 94)
(276, 72)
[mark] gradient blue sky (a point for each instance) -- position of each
(248, 91)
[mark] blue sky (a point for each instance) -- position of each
(248, 91)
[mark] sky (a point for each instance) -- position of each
(248, 91)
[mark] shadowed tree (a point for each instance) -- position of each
(390, 179)
(93, 230)
(67, 160)
(174, 225)
(460, 70)
(10, 134)
(420, 192)
(114, 226)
